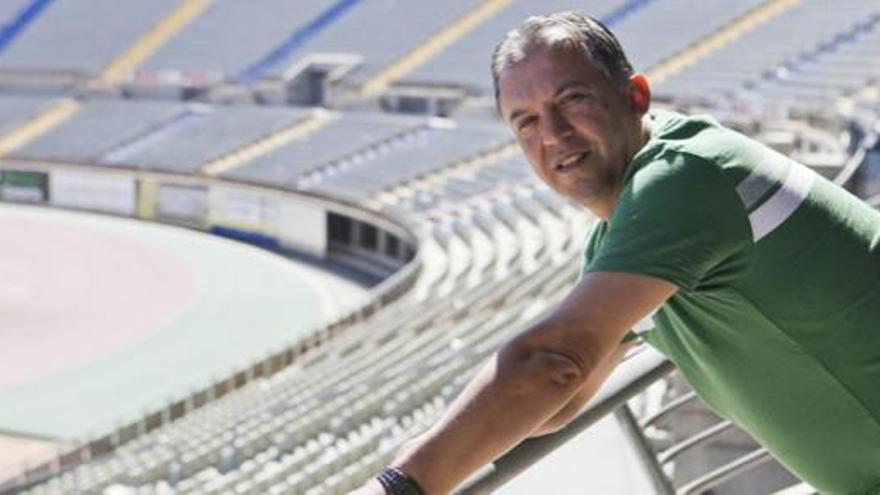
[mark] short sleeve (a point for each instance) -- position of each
(594, 237)
(678, 219)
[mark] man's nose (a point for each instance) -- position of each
(554, 127)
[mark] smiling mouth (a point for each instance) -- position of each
(572, 162)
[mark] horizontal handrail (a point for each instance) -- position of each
(726, 472)
(682, 447)
(668, 409)
(629, 379)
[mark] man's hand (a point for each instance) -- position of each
(532, 379)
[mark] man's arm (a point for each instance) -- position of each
(530, 380)
(570, 410)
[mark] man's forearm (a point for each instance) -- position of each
(511, 397)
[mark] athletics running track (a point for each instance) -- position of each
(105, 318)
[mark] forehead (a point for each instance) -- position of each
(542, 72)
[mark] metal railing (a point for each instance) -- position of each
(855, 161)
(643, 368)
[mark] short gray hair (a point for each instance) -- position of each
(573, 29)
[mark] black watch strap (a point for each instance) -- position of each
(395, 482)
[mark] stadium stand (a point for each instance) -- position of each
(15, 109)
(97, 128)
(11, 10)
(761, 53)
(222, 42)
(345, 136)
(638, 32)
(406, 159)
(17, 18)
(494, 247)
(63, 37)
(464, 63)
(841, 66)
(471, 181)
(356, 32)
(186, 142)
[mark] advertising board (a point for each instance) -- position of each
(97, 191)
(180, 202)
(303, 227)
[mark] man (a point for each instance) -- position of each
(766, 276)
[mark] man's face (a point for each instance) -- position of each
(577, 129)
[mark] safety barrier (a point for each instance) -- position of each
(629, 379)
(632, 377)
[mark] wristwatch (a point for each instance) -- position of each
(395, 482)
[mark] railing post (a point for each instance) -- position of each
(659, 480)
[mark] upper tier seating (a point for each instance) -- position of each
(763, 52)
(364, 175)
(841, 66)
(186, 143)
(383, 31)
(231, 35)
(345, 135)
(81, 36)
(15, 110)
(466, 62)
(11, 9)
(98, 128)
(681, 22)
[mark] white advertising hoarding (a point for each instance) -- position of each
(92, 191)
(303, 227)
(254, 211)
(177, 201)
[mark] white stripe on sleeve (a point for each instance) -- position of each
(783, 203)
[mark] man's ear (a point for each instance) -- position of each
(639, 93)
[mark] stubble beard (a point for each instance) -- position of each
(596, 194)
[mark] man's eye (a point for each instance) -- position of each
(526, 123)
(574, 97)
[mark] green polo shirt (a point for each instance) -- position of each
(776, 323)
